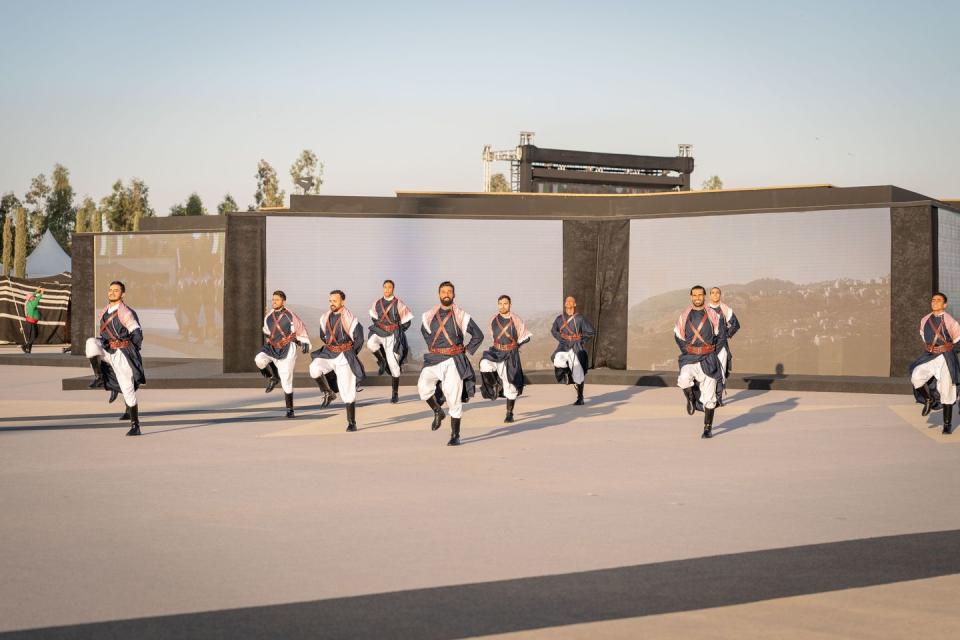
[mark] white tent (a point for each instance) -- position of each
(48, 259)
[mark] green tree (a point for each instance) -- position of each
(713, 183)
(85, 214)
(7, 243)
(95, 221)
(61, 213)
(307, 173)
(36, 197)
(192, 207)
(20, 245)
(8, 204)
(268, 192)
(126, 206)
(228, 205)
(499, 184)
(139, 202)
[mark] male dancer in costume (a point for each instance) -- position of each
(343, 338)
(723, 351)
(31, 316)
(500, 366)
(388, 335)
(446, 369)
(115, 354)
(285, 332)
(572, 332)
(935, 374)
(698, 333)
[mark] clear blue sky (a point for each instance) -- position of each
(404, 95)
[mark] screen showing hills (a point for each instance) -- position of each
(811, 289)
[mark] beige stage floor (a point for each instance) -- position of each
(225, 505)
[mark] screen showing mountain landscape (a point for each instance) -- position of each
(307, 257)
(174, 282)
(811, 289)
(948, 255)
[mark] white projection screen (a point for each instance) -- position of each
(811, 289)
(174, 282)
(307, 257)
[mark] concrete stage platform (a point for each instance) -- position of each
(198, 373)
(810, 515)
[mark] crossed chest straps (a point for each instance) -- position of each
(107, 327)
(453, 349)
(938, 336)
(386, 322)
(567, 331)
(704, 348)
(278, 338)
(504, 332)
(333, 343)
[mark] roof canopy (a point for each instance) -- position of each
(48, 258)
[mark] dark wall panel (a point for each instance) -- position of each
(244, 274)
(596, 265)
(82, 294)
(913, 277)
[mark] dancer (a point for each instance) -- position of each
(935, 373)
(336, 364)
(733, 325)
(698, 332)
(115, 354)
(277, 358)
(447, 375)
(31, 316)
(388, 336)
(500, 366)
(572, 331)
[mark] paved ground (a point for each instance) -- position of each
(809, 515)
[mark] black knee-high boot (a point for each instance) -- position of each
(352, 416)
(134, 421)
(454, 432)
(381, 357)
(691, 401)
(273, 377)
(927, 400)
(288, 398)
(707, 423)
(579, 394)
(510, 405)
(438, 414)
(97, 373)
(395, 390)
(947, 419)
(328, 395)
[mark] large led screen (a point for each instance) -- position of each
(948, 253)
(307, 257)
(174, 282)
(811, 289)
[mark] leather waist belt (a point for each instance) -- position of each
(699, 351)
(340, 348)
(282, 342)
(119, 344)
(448, 351)
(509, 346)
(388, 327)
(572, 337)
(942, 348)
